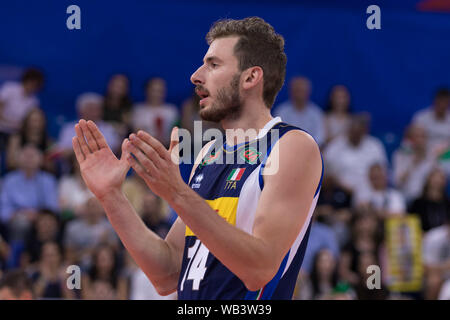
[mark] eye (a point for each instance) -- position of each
(214, 65)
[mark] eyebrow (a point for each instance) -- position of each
(212, 58)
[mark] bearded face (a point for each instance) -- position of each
(226, 104)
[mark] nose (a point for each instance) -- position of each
(197, 77)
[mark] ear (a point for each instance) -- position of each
(252, 76)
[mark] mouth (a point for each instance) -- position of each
(203, 94)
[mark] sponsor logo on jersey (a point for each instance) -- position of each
(250, 155)
(198, 179)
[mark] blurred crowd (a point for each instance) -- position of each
(49, 220)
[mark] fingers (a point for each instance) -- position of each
(145, 162)
(151, 153)
(138, 168)
(77, 149)
(174, 146)
(88, 135)
(154, 143)
(98, 136)
(81, 141)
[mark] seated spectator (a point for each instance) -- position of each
(321, 237)
(73, 192)
(333, 208)
(363, 292)
(155, 115)
(46, 228)
(90, 107)
(25, 192)
(300, 111)
(152, 209)
(155, 214)
(412, 162)
(366, 238)
(16, 99)
(103, 280)
(383, 200)
(436, 257)
(436, 120)
(433, 205)
(117, 104)
(337, 118)
(49, 278)
(140, 287)
(32, 131)
(349, 157)
(444, 293)
(4, 254)
(86, 232)
(323, 278)
(16, 285)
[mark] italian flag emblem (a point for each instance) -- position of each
(236, 174)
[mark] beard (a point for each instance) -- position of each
(227, 104)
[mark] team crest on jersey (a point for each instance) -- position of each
(198, 179)
(250, 155)
(234, 176)
(208, 160)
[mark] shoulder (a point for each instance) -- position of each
(171, 107)
(11, 177)
(373, 142)
(336, 144)
(68, 127)
(295, 153)
(436, 235)
(139, 107)
(315, 108)
(300, 139)
(47, 177)
(421, 115)
(282, 107)
(10, 86)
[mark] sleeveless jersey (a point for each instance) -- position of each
(233, 191)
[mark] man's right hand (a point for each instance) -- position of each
(102, 172)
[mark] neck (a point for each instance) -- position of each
(434, 194)
(439, 115)
(154, 102)
(247, 120)
(29, 173)
(300, 105)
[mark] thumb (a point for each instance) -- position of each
(125, 152)
(174, 145)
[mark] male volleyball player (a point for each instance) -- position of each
(241, 233)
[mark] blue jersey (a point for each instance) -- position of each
(233, 191)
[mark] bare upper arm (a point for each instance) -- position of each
(288, 192)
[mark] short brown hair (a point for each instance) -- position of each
(33, 74)
(258, 45)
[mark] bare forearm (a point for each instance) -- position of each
(245, 255)
(150, 252)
